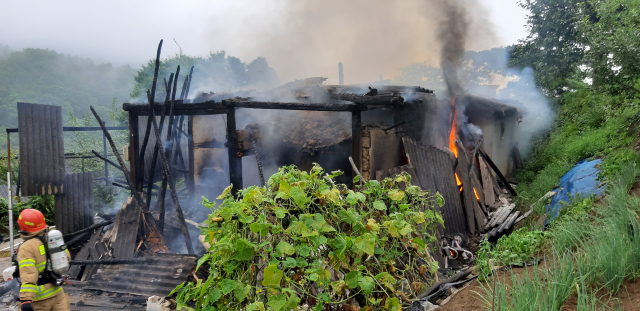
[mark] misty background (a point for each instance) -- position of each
(76, 54)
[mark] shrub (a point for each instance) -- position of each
(305, 240)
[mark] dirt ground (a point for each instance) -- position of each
(469, 298)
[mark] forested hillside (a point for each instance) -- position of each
(47, 77)
(217, 72)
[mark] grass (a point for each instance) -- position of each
(593, 247)
(541, 289)
(588, 125)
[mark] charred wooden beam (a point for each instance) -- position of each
(167, 150)
(172, 186)
(134, 147)
(119, 185)
(145, 140)
(387, 99)
(235, 160)
(154, 158)
(497, 171)
(470, 203)
(356, 139)
(190, 180)
(290, 106)
(212, 107)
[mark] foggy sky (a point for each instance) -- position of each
(299, 38)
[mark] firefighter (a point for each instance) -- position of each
(39, 290)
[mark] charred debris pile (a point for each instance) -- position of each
(182, 149)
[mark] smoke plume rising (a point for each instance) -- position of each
(302, 39)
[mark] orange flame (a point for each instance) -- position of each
(458, 182)
(452, 133)
(476, 193)
(461, 188)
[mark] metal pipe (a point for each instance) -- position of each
(105, 162)
(106, 167)
(10, 199)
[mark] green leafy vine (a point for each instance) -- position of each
(304, 240)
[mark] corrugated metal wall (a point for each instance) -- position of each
(435, 171)
(42, 165)
(74, 208)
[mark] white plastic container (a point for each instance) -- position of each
(7, 274)
(58, 254)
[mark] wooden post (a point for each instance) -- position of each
(134, 149)
(192, 170)
(356, 140)
(235, 161)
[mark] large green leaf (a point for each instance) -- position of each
(256, 306)
(290, 263)
(303, 250)
(380, 205)
(393, 304)
(299, 197)
(284, 248)
(334, 197)
(214, 295)
(227, 286)
(365, 244)
(272, 276)
(318, 240)
(350, 216)
(244, 250)
(202, 260)
(241, 291)
(262, 229)
(366, 283)
(278, 302)
(396, 195)
(351, 279)
(225, 192)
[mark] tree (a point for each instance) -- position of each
(217, 72)
(613, 38)
(553, 48)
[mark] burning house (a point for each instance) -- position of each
(461, 148)
(181, 150)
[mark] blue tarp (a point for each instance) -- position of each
(581, 179)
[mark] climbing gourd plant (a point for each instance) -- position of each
(304, 241)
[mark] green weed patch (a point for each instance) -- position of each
(305, 240)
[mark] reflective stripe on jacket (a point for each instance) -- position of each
(32, 260)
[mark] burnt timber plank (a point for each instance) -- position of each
(475, 181)
(235, 160)
(126, 230)
(470, 203)
(84, 253)
(356, 140)
(487, 183)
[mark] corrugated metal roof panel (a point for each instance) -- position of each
(41, 149)
(74, 208)
(434, 168)
(159, 277)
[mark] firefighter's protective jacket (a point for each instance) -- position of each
(32, 261)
